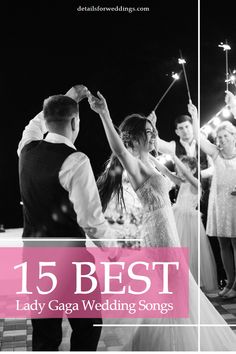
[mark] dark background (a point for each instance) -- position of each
(49, 46)
(217, 24)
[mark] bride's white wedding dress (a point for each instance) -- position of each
(186, 218)
(159, 230)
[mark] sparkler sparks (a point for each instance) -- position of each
(224, 46)
(181, 61)
(175, 76)
(216, 120)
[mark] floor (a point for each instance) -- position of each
(16, 334)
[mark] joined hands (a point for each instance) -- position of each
(98, 105)
(78, 93)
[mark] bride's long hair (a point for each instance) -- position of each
(133, 128)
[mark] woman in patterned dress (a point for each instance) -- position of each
(221, 221)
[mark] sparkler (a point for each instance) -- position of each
(182, 61)
(215, 120)
(226, 48)
(175, 77)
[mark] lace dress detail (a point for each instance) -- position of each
(128, 218)
(159, 229)
(188, 225)
(186, 200)
(221, 220)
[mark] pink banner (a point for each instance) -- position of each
(50, 282)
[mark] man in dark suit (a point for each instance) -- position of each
(60, 200)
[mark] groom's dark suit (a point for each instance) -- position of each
(59, 193)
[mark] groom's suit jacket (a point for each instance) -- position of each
(47, 209)
(58, 189)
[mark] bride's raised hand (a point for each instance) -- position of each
(98, 105)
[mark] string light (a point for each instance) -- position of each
(207, 129)
(216, 120)
(226, 112)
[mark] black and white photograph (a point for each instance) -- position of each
(118, 136)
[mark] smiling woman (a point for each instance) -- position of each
(226, 137)
(151, 135)
(159, 231)
(221, 221)
(137, 133)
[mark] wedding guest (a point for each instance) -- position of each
(221, 221)
(186, 145)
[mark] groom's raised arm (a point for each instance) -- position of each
(36, 128)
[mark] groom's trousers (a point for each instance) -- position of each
(47, 334)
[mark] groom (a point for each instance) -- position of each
(60, 199)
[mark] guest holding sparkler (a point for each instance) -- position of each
(187, 145)
(221, 220)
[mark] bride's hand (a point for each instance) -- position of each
(98, 105)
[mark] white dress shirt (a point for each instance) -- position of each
(189, 148)
(77, 178)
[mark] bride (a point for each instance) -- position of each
(148, 179)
